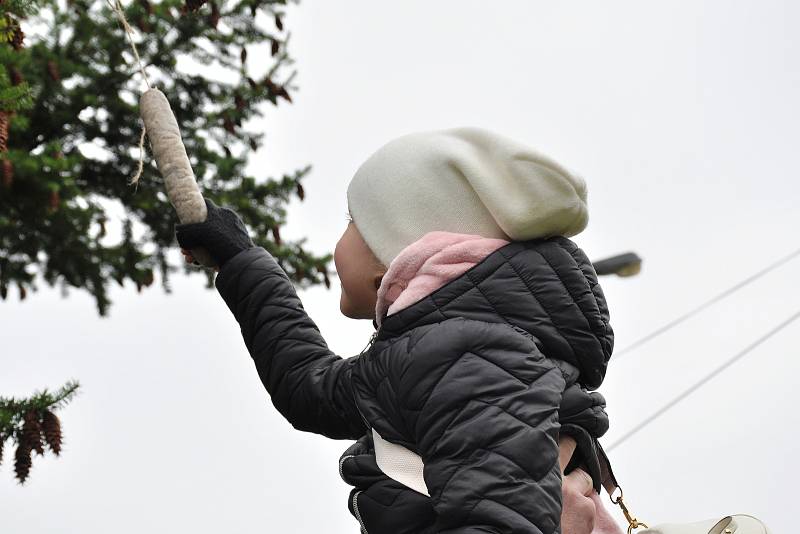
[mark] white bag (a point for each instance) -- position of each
(736, 524)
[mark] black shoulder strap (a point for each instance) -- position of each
(585, 455)
(590, 456)
(607, 477)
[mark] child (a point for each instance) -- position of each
(491, 332)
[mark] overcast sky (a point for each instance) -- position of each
(683, 118)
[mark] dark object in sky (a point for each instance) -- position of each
(628, 264)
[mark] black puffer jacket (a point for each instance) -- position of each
(477, 378)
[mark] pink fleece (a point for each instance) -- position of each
(426, 265)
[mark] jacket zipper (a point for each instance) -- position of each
(341, 462)
(357, 513)
(366, 423)
(373, 337)
(370, 342)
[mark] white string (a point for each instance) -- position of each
(140, 168)
(116, 6)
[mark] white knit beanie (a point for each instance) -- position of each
(463, 180)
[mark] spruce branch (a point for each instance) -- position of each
(74, 84)
(30, 423)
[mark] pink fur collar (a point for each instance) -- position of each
(427, 264)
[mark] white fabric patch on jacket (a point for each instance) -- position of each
(400, 464)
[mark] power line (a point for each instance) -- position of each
(705, 379)
(706, 304)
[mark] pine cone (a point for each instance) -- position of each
(17, 37)
(32, 431)
(54, 201)
(276, 235)
(5, 120)
(278, 22)
(22, 294)
(321, 268)
(213, 18)
(238, 101)
(243, 55)
(3, 290)
(283, 93)
(227, 123)
(300, 191)
(22, 462)
(8, 173)
(15, 75)
(52, 71)
(142, 24)
(271, 86)
(276, 47)
(52, 431)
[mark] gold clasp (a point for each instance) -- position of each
(633, 523)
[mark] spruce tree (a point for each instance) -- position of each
(69, 136)
(69, 99)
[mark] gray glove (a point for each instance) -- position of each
(223, 234)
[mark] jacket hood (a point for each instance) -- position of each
(544, 288)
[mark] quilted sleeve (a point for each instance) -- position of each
(309, 385)
(483, 404)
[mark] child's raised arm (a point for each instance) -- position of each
(309, 385)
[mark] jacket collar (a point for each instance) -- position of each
(546, 288)
(427, 264)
